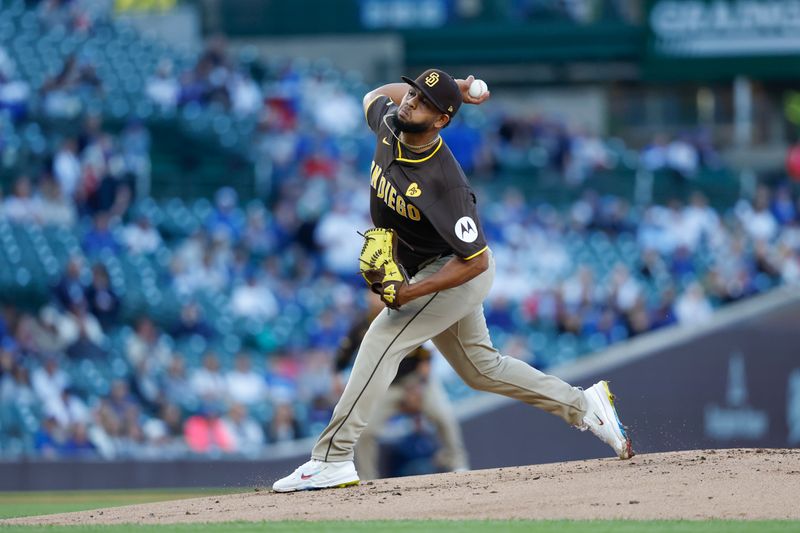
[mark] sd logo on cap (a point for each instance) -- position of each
(440, 88)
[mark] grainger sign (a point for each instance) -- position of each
(723, 38)
(721, 28)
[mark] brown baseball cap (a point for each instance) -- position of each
(440, 88)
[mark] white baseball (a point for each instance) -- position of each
(477, 88)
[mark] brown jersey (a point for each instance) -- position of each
(424, 197)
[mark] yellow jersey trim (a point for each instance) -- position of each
(476, 254)
(366, 109)
(404, 160)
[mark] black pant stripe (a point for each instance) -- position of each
(330, 442)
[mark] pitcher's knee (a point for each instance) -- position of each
(485, 378)
(471, 380)
(479, 382)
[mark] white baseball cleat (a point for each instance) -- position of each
(319, 475)
(601, 419)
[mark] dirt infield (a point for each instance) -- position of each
(726, 484)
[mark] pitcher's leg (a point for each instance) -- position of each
(389, 338)
(467, 347)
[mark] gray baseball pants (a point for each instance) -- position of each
(454, 320)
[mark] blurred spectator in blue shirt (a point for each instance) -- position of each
(782, 207)
(500, 314)
(664, 313)
(14, 93)
(682, 263)
(86, 331)
(103, 301)
(100, 237)
(258, 237)
(226, 217)
(49, 438)
(191, 322)
(71, 288)
(327, 330)
(239, 265)
(3, 328)
(78, 444)
(320, 412)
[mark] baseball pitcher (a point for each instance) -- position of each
(428, 260)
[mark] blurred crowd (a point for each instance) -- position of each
(598, 272)
(224, 337)
(214, 79)
(62, 90)
(511, 141)
(122, 423)
(291, 131)
(90, 173)
(604, 271)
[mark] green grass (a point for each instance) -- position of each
(438, 526)
(36, 503)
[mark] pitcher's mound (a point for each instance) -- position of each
(729, 484)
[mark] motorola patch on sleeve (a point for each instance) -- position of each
(466, 229)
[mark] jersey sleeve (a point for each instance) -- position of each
(455, 218)
(377, 109)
